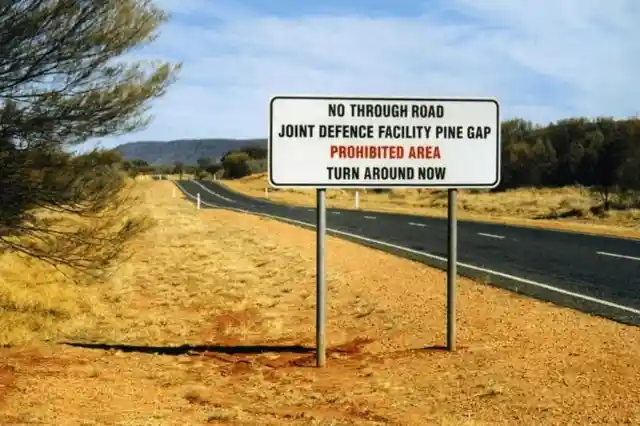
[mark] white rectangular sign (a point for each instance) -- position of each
(360, 142)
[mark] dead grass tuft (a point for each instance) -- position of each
(198, 395)
(38, 303)
(7, 380)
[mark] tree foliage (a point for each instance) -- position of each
(236, 165)
(178, 168)
(67, 211)
(601, 153)
(63, 80)
(214, 168)
(244, 161)
(204, 162)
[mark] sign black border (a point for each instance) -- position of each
(385, 185)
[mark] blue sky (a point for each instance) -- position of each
(543, 60)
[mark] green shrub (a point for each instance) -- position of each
(201, 174)
(257, 166)
(236, 166)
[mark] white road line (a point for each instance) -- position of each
(335, 212)
(498, 237)
(311, 210)
(369, 217)
(422, 225)
(213, 193)
(621, 256)
(444, 259)
(193, 196)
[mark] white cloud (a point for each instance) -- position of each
(543, 60)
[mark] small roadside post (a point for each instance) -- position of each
(198, 201)
(354, 142)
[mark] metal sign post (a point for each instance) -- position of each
(321, 284)
(452, 260)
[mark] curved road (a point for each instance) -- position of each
(595, 274)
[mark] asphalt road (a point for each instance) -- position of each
(595, 274)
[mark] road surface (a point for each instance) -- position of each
(595, 274)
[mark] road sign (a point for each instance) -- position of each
(359, 142)
(364, 142)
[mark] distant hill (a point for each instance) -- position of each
(186, 151)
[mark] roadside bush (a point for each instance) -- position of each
(201, 174)
(236, 166)
(257, 166)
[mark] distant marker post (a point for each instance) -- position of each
(198, 201)
(321, 284)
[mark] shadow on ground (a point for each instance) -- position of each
(240, 358)
(186, 349)
(353, 347)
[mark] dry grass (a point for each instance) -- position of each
(185, 176)
(41, 303)
(565, 209)
(217, 277)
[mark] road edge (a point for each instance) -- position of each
(484, 278)
(474, 221)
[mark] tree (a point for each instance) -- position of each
(598, 153)
(107, 157)
(236, 166)
(204, 162)
(614, 149)
(543, 162)
(255, 152)
(178, 168)
(516, 164)
(63, 81)
(629, 172)
(214, 168)
(89, 188)
(139, 163)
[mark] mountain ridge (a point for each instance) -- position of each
(186, 151)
